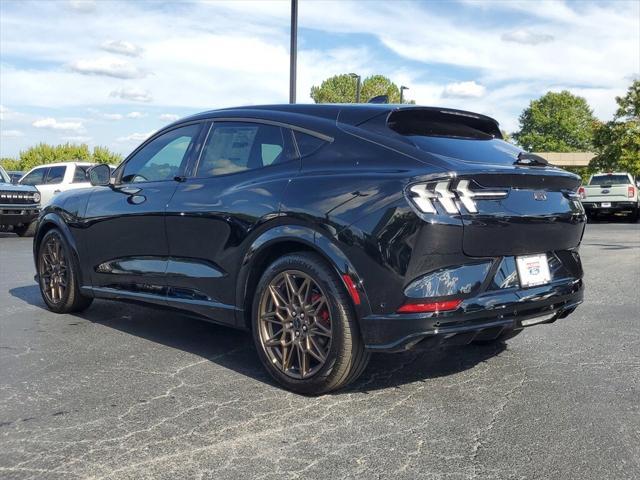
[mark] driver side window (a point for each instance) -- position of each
(163, 158)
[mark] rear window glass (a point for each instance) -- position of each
(307, 144)
(609, 180)
(491, 151)
(461, 135)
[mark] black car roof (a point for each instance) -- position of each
(350, 113)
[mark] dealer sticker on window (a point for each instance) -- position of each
(533, 270)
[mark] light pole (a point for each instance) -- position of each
(402, 89)
(293, 52)
(357, 77)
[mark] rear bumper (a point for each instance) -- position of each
(482, 317)
(17, 215)
(596, 207)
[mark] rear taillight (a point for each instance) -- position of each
(631, 191)
(446, 192)
(582, 192)
(431, 307)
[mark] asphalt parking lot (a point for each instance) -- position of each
(125, 392)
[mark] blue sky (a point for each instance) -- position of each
(110, 73)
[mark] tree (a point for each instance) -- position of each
(617, 142)
(42, 154)
(556, 122)
(342, 89)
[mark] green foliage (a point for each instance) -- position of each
(556, 122)
(10, 163)
(342, 89)
(43, 153)
(617, 142)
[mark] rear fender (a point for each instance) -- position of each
(310, 239)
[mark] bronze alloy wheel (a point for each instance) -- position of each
(295, 324)
(53, 270)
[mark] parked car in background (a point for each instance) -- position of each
(329, 231)
(15, 176)
(609, 193)
(19, 206)
(54, 178)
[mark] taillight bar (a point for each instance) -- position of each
(631, 191)
(424, 195)
(582, 192)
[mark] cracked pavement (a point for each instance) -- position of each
(127, 392)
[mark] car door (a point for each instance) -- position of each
(236, 184)
(125, 234)
(52, 184)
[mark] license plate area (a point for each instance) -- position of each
(533, 270)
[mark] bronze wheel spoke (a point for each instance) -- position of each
(53, 271)
(291, 309)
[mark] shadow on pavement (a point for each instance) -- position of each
(233, 349)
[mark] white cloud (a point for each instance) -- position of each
(134, 137)
(11, 133)
(110, 67)
(132, 94)
(464, 90)
(527, 37)
(53, 124)
(169, 117)
(122, 47)
(136, 115)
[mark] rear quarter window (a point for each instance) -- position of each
(307, 144)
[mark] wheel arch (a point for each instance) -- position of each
(284, 239)
(50, 221)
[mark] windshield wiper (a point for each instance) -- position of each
(526, 158)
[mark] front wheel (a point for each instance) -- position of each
(304, 327)
(58, 275)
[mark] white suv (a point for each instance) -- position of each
(54, 178)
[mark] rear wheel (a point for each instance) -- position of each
(25, 230)
(58, 275)
(304, 327)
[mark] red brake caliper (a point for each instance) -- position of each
(324, 313)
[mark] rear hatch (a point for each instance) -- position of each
(510, 202)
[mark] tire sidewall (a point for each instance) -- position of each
(339, 320)
(71, 278)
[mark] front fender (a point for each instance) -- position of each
(311, 239)
(53, 219)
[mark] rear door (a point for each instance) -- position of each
(236, 184)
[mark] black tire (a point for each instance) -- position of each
(67, 298)
(346, 357)
(26, 230)
(635, 215)
(503, 337)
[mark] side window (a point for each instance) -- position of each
(36, 177)
(238, 146)
(307, 144)
(163, 158)
(55, 175)
(80, 175)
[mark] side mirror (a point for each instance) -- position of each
(100, 175)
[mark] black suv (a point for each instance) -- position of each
(329, 231)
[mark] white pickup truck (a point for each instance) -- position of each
(609, 193)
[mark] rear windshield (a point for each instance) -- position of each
(470, 150)
(461, 135)
(609, 180)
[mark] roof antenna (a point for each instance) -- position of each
(379, 99)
